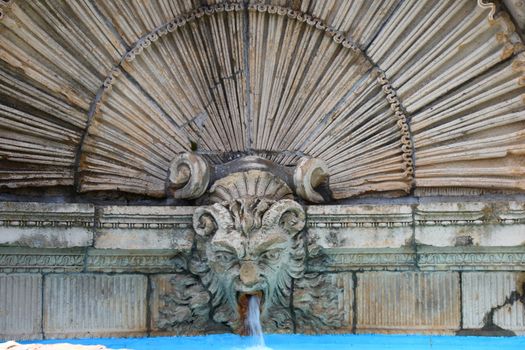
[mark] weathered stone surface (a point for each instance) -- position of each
(308, 175)
(145, 261)
(471, 258)
(88, 305)
(517, 11)
(413, 302)
(145, 227)
(249, 244)
(179, 305)
(464, 109)
(20, 306)
(343, 259)
(322, 303)
(470, 223)
(360, 226)
(14, 259)
(494, 301)
(188, 176)
(46, 225)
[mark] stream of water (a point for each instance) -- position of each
(253, 324)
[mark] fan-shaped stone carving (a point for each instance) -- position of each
(391, 95)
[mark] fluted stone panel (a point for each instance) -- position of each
(494, 299)
(91, 305)
(20, 306)
(395, 302)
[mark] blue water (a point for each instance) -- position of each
(307, 342)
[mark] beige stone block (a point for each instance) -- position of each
(494, 299)
(408, 302)
(360, 226)
(20, 306)
(144, 227)
(470, 223)
(323, 303)
(179, 304)
(87, 305)
(46, 225)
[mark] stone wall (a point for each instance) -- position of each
(78, 270)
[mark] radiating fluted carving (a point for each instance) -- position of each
(390, 94)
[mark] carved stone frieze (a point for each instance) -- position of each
(41, 260)
(345, 259)
(471, 258)
(145, 261)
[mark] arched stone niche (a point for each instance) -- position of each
(346, 104)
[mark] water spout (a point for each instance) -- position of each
(253, 322)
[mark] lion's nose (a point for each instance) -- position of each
(248, 273)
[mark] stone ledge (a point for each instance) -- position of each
(46, 225)
(141, 227)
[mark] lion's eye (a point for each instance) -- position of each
(271, 255)
(224, 257)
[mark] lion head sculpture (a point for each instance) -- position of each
(250, 245)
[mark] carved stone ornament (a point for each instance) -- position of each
(188, 176)
(309, 174)
(248, 243)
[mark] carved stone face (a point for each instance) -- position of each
(251, 246)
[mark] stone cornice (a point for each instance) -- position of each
(429, 236)
(16, 214)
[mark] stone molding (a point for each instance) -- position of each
(431, 236)
(22, 214)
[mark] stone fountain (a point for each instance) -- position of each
(248, 231)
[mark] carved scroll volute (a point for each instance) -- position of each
(188, 177)
(208, 220)
(308, 175)
(286, 214)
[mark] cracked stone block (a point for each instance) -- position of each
(323, 303)
(478, 224)
(179, 305)
(20, 306)
(89, 305)
(494, 300)
(410, 302)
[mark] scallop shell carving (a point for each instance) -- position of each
(393, 96)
